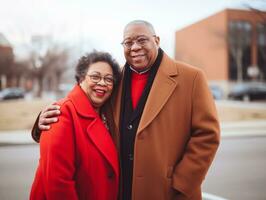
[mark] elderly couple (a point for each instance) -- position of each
(150, 135)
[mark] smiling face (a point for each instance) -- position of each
(144, 49)
(99, 92)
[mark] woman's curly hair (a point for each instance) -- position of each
(93, 57)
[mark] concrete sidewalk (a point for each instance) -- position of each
(228, 129)
(16, 137)
(243, 128)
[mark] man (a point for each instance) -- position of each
(166, 124)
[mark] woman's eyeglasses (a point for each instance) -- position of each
(96, 78)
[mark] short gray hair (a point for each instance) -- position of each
(142, 22)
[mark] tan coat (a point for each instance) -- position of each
(177, 137)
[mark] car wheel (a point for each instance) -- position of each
(246, 98)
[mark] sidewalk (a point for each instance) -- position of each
(243, 128)
(228, 129)
(15, 137)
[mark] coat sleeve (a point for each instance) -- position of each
(58, 158)
(35, 131)
(203, 142)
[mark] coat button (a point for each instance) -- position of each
(129, 127)
(110, 175)
(130, 157)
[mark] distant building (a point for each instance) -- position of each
(3, 41)
(12, 72)
(6, 61)
(229, 46)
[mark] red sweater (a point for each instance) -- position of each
(138, 83)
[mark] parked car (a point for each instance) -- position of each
(12, 93)
(248, 91)
(216, 91)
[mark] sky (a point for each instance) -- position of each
(99, 24)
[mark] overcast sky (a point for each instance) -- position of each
(99, 24)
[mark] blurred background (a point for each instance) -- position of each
(42, 40)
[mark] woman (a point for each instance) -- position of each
(78, 159)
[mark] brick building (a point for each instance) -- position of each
(230, 46)
(6, 60)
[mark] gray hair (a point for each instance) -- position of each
(141, 22)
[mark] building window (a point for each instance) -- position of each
(239, 44)
(261, 49)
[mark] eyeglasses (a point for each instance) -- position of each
(141, 41)
(96, 78)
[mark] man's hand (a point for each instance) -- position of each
(48, 116)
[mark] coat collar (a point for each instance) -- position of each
(81, 102)
(162, 88)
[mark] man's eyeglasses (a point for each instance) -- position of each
(141, 41)
(96, 78)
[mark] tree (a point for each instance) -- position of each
(6, 62)
(259, 11)
(239, 39)
(54, 59)
(61, 65)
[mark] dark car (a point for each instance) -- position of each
(11, 93)
(216, 91)
(248, 91)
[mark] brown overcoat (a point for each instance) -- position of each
(177, 137)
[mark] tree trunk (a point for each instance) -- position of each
(239, 64)
(40, 88)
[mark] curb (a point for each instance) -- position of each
(243, 129)
(228, 130)
(21, 137)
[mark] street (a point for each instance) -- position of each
(238, 172)
(17, 168)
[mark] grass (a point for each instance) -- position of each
(21, 114)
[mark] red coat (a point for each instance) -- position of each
(78, 159)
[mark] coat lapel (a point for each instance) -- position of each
(117, 105)
(96, 129)
(162, 88)
(103, 141)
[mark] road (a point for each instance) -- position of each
(238, 172)
(17, 168)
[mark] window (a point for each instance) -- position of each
(239, 44)
(261, 49)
